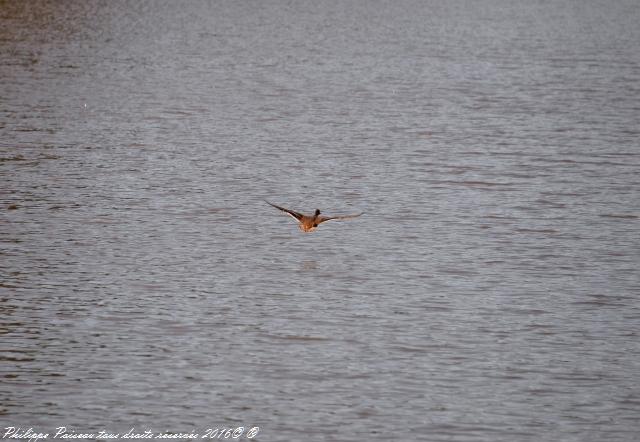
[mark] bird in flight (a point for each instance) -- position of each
(309, 223)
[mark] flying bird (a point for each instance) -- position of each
(309, 223)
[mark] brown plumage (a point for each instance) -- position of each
(309, 223)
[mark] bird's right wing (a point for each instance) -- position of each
(330, 218)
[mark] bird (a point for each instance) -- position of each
(309, 223)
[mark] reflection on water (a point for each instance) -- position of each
(309, 265)
(490, 292)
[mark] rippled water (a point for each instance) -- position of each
(489, 293)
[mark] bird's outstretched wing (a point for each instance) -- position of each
(291, 213)
(330, 218)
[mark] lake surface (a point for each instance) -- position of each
(491, 291)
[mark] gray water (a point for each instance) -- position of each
(490, 292)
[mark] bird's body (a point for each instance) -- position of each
(309, 223)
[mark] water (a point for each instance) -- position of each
(489, 293)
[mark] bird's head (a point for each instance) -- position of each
(317, 212)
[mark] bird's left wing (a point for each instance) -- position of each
(291, 213)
